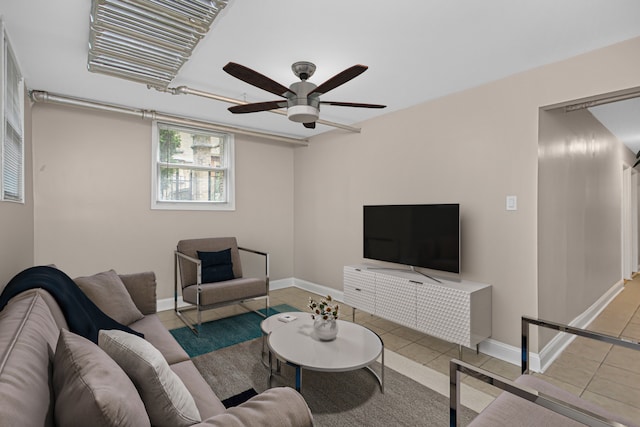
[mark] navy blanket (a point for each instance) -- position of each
(83, 316)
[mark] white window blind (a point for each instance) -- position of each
(12, 125)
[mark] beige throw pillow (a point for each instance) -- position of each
(90, 388)
(165, 396)
(107, 291)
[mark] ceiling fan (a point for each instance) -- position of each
(302, 99)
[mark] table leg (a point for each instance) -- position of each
(264, 350)
(382, 373)
(270, 368)
(298, 378)
(379, 377)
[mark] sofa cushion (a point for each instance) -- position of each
(142, 288)
(230, 290)
(279, 406)
(90, 388)
(165, 396)
(206, 400)
(551, 390)
(216, 266)
(508, 409)
(28, 334)
(107, 291)
(158, 335)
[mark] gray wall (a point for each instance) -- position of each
(579, 213)
(93, 191)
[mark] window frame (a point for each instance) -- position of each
(229, 167)
(7, 54)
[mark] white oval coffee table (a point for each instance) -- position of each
(295, 343)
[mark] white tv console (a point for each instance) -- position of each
(458, 312)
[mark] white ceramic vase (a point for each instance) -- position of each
(326, 330)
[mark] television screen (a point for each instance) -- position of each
(425, 236)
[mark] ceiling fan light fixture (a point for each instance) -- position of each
(303, 113)
(302, 98)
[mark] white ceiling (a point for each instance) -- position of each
(416, 50)
(622, 118)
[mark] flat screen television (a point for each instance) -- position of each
(425, 236)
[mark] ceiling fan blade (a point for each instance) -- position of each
(255, 78)
(340, 78)
(257, 106)
(310, 125)
(352, 104)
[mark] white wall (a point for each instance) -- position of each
(92, 190)
(474, 147)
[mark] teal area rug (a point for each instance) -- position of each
(226, 332)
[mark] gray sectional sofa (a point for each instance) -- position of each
(44, 373)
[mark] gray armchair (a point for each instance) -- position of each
(210, 275)
(530, 400)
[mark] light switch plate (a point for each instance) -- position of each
(512, 203)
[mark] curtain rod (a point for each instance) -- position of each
(593, 101)
(46, 97)
(602, 101)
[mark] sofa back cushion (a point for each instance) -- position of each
(91, 389)
(109, 293)
(142, 288)
(28, 335)
(166, 398)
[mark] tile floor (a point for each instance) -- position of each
(600, 372)
(594, 370)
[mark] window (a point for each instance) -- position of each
(193, 168)
(12, 126)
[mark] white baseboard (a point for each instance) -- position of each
(319, 289)
(538, 362)
(555, 347)
(583, 320)
(281, 283)
(167, 303)
(508, 353)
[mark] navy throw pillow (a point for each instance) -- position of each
(216, 266)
